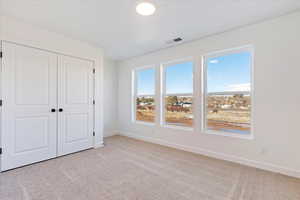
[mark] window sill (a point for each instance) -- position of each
(144, 123)
(178, 127)
(228, 134)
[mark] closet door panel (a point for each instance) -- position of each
(76, 119)
(29, 92)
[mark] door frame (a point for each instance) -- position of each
(97, 90)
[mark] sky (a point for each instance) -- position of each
(179, 78)
(229, 73)
(224, 73)
(146, 82)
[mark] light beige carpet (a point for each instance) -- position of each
(127, 169)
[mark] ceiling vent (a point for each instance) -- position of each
(175, 40)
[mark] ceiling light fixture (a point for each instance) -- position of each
(145, 8)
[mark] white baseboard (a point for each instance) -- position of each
(98, 145)
(110, 133)
(221, 156)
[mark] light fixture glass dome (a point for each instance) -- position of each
(145, 8)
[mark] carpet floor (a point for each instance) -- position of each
(128, 169)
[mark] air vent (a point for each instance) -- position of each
(175, 40)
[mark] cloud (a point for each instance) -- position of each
(244, 87)
(214, 61)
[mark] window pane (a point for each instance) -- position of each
(179, 78)
(145, 109)
(229, 113)
(179, 111)
(146, 82)
(229, 73)
(228, 100)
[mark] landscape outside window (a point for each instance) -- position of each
(178, 95)
(145, 109)
(145, 91)
(228, 93)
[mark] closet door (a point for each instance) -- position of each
(29, 93)
(75, 103)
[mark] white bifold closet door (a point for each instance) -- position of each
(47, 105)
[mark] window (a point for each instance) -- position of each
(178, 94)
(227, 92)
(144, 93)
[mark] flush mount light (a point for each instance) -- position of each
(145, 8)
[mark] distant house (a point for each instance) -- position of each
(226, 106)
(184, 104)
(146, 104)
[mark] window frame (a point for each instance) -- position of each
(135, 95)
(247, 48)
(163, 93)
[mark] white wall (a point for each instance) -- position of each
(276, 143)
(22, 33)
(110, 97)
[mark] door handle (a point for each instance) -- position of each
(60, 110)
(53, 110)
